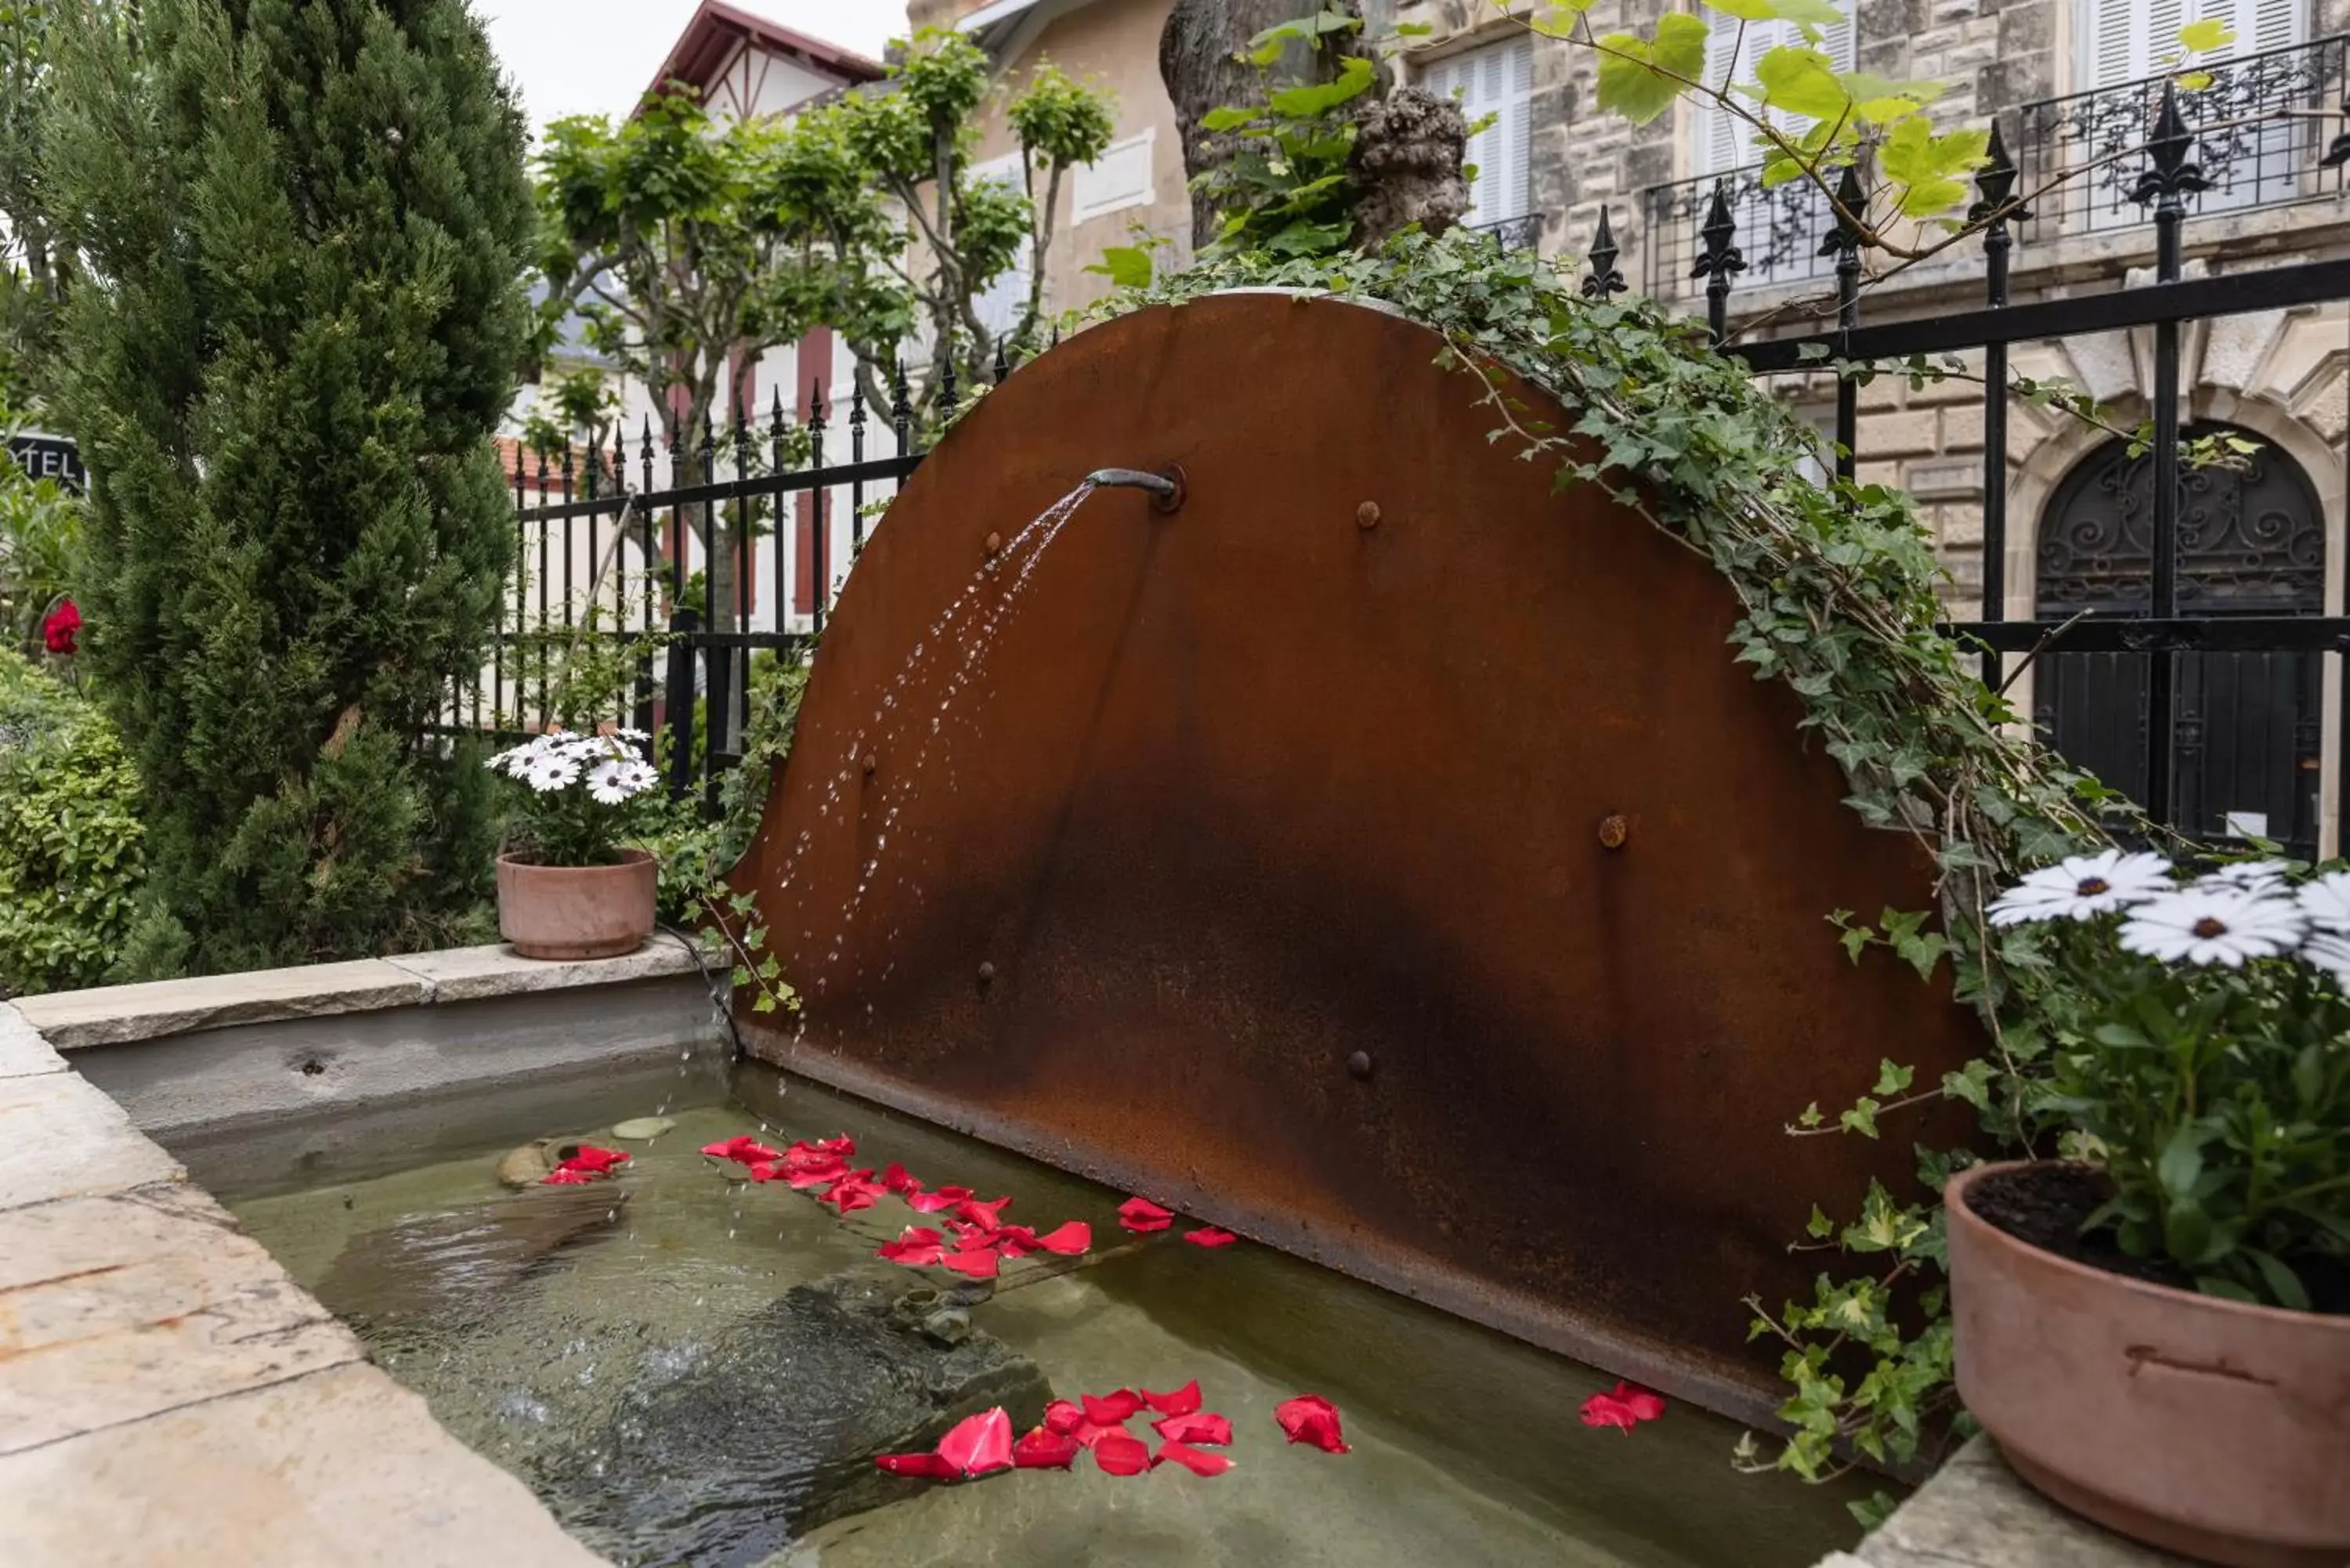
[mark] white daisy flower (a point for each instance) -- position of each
(2330, 952)
(551, 770)
(604, 783)
(2207, 925)
(2326, 901)
(2252, 875)
(2083, 887)
(637, 775)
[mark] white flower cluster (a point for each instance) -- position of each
(2238, 913)
(609, 766)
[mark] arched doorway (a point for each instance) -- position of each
(2251, 541)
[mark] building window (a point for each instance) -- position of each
(1724, 141)
(1000, 307)
(2123, 41)
(1497, 81)
(1120, 178)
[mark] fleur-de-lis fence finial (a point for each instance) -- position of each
(1604, 280)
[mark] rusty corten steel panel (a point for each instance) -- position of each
(1256, 865)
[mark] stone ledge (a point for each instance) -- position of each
(341, 1467)
(62, 1138)
(126, 1014)
(23, 1052)
(1978, 1514)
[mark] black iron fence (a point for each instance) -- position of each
(2195, 686)
(653, 576)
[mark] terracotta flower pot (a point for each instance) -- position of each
(576, 912)
(2208, 1427)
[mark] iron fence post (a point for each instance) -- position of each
(1996, 186)
(684, 626)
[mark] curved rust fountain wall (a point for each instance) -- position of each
(1261, 870)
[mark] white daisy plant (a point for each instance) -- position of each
(585, 792)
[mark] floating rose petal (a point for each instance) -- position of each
(1624, 1407)
(1069, 1239)
(1189, 1458)
(1088, 1434)
(765, 1172)
(988, 1214)
(977, 1265)
(1110, 1409)
(1180, 1402)
(744, 1150)
(1311, 1418)
(1141, 1215)
(1119, 1455)
(933, 1202)
(1045, 1449)
(896, 1179)
(1015, 1241)
(560, 1177)
(856, 1190)
(805, 1176)
(1063, 1418)
(594, 1161)
(980, 1443)
(1208, 1236)
(843, 1145)
(1195, 1427)
(922, 1466)
(917, 1247)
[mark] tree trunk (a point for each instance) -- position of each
(1203, 60)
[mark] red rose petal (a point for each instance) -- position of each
(743, 1150)
(1061, 1416)
(895, 1180)
(979, 1444)
(1624, 1408)
(977, 1265)
(1644, 1405)
(559, 1177)
(922, 1466)
(1181, 1402)
(1088, 1434)
(843, 1144)
(1119, 1455)
(1013, 1240)
(1189, 1458)
(1311, 1418)
(1110, 1409)
(1045, 1449)
(933, 1202)
(1208, 1236)
(988, 1214)
(917, 1246)
(1069, 1239)
(593, 1161)
(1195, 1427)
(1141, 1215)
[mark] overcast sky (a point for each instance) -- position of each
(594, 57)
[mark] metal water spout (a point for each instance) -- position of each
(1165, 487)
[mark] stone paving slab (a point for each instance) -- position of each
(119, 1014)
(116, 1308)
(469, 974)
(1978, 1514)
(342, 1469)
(23, 1051)
(59, 1137)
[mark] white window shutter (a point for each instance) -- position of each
(2270, 25)
(1496, 80)
(1513, 194)
(1725, 142)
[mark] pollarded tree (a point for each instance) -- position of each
(301, 228)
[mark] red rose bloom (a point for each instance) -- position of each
(59, 630)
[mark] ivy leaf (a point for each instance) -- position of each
(2201, 37)
(1641, 79)
(1861, 1119)
(1892, 1079)
(1811, 1117)
(1821, 1227)
(1971, 1084)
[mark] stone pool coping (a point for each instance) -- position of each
(168, 1393)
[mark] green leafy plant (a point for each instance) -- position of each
(1285, 189)
(40, 550)
(2203, 1060)
(69, 816)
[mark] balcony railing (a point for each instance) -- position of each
(1522, 232)
(2263, 128)
(2260, 128)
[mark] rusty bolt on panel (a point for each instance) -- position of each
(993, 542)
(986, 975)
(1367, 516)
(1358, 1066)
(1613, 831)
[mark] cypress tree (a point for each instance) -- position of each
(303, 224)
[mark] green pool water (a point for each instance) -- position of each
(1467, 1448)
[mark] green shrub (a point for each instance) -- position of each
(69, 818)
